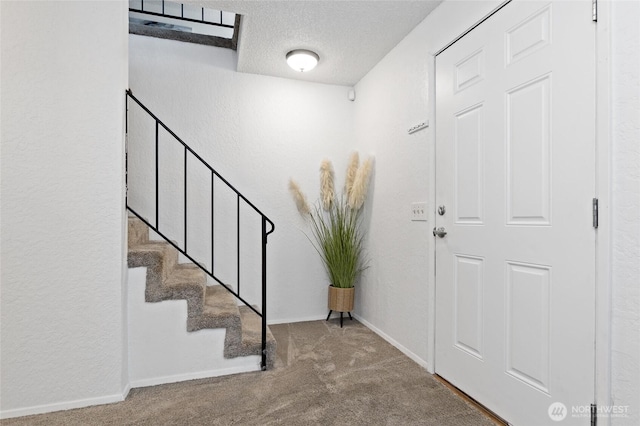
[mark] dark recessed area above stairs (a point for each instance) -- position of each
(188, 37)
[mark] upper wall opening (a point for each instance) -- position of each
(184, 22)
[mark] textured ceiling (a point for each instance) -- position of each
(350, 36)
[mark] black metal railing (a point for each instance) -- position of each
(162, 12)
(240, 199)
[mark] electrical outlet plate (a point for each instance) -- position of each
(419, 212)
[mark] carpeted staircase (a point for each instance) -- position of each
(207, 306)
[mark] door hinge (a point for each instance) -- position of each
(595, 212)
(594, 10)
(594, 414)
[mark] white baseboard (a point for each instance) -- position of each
(421, 362)
(305, 319)
(193, 376)
(126, 390)
(62, 406)
(292, 320)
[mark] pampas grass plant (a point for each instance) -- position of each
(335, 221)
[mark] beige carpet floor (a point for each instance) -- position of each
(324, 375)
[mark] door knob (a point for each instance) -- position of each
(440, 232)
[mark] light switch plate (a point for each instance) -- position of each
(419, 212)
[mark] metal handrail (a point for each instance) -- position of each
(181, 17)
(239, 197)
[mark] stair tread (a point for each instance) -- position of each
(150, 246)
(185, 274)
(137, 231)
(218, 301)
(252, 327)
(153, 253)
(219, 310)
(250, 339)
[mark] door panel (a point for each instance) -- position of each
(469, 317)
(528, 117)
(527, 323)
(515, 169)
(469, 165)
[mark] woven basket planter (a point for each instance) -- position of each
(341, 299)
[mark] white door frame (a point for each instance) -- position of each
(603, 193)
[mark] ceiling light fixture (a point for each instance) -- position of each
(302, 60)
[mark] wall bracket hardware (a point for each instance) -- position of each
(418, 126)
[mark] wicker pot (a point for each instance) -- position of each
(341, 299)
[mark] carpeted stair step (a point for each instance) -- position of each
(160, 259)
(138, 231)
(251, 338)
(187, 282)
(219, 311)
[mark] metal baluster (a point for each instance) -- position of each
(212, 220)
(263, 364)
(157, 180)
(185, 199)
(238, 237)
(126, 149)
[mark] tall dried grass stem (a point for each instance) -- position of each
(352, 169)
(327, 191)
(299, 198)
(361, 185)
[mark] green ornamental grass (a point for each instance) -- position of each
(339, 242)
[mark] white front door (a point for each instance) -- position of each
(515, 174)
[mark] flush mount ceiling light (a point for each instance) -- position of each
(302, 60)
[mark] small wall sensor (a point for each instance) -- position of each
(352, 95)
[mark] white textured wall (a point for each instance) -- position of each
(625, 191)
(62, 328)
(257, 131)
(394, 96)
